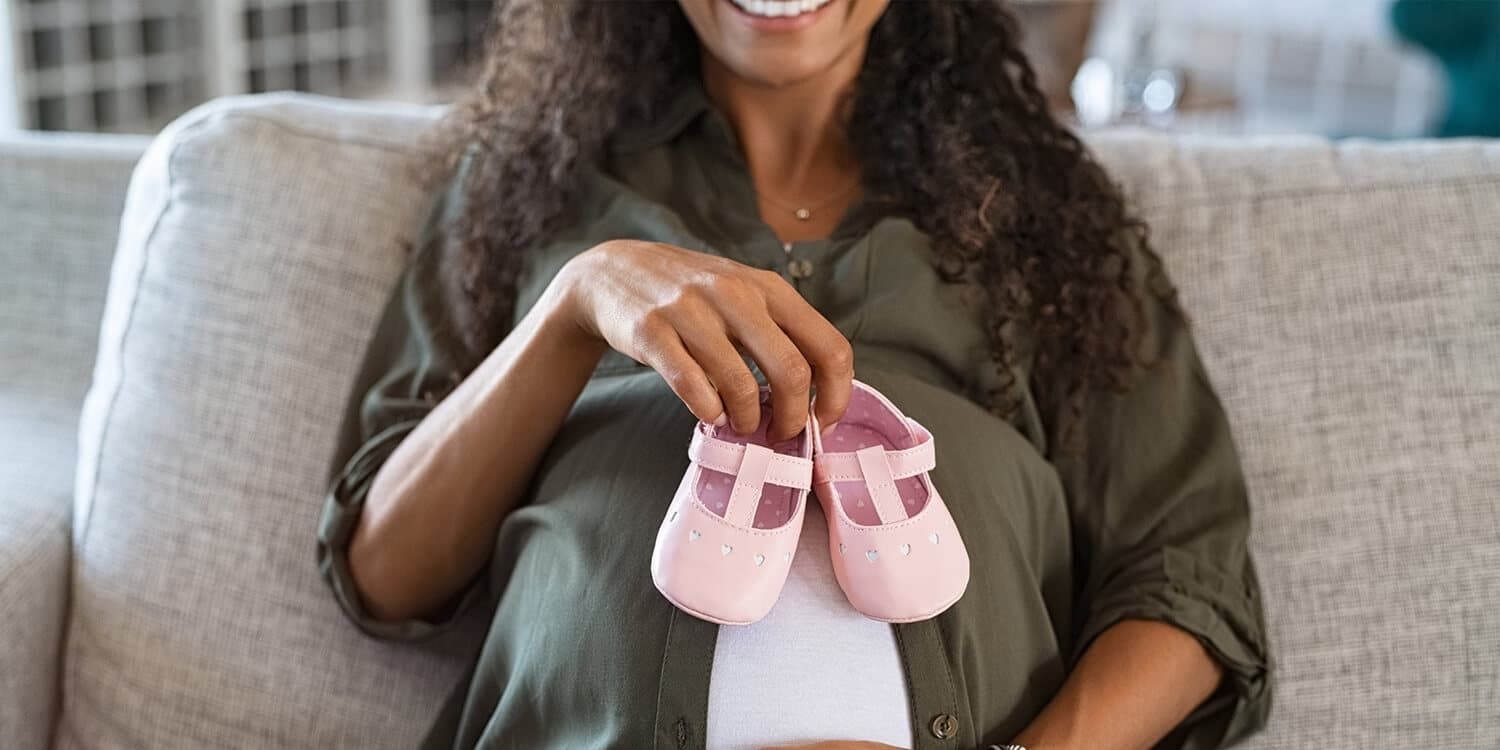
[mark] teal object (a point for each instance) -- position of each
(1464, 35)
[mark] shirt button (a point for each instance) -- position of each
(944, 726)
(798, 268)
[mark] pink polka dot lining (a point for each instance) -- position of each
(777, 503)
(868, 422)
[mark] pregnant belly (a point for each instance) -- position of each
(580, 632)
(813, 669)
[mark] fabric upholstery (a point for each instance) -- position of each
(33, 569)
(1346, 304)
(60, 202)
(1348, 310)
(262, 238)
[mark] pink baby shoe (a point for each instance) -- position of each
(724, 549)
(896, 551)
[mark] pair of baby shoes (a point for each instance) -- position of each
(727, 542)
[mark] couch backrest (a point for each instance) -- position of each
(1345, 299)
(60, 203)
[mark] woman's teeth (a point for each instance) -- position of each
(779, 8)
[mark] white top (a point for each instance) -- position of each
(813, 669)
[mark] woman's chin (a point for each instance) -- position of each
(782, 70)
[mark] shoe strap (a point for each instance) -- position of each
(729, 458)
(752, 466)
(908, 462)
(879, 469)
(876, 469)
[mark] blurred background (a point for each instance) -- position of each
(1245, 67)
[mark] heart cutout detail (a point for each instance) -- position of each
(760, 560)
(905, 550)
(871, 555)
(933, 537)
(725, 549)
(693, 535)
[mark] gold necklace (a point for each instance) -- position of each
(805, 213)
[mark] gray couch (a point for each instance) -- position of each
(158, 590)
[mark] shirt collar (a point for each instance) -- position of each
(686, 107)
(690, 109)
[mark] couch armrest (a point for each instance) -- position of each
(34, 546)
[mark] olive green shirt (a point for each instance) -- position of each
(583, 652)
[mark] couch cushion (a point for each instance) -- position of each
(263, 236)
(1347, 303)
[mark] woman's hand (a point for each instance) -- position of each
(689, 315)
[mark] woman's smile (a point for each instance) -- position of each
(778, 15)
(779, 43)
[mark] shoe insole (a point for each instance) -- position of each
(777, 503)
(866, 423)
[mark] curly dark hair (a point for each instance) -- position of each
(951, 129)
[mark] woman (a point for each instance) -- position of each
(647, 191)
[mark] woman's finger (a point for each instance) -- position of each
(734, 384)
(824, 346)
(671, 359)
(786, 369)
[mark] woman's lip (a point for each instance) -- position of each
(780, 24)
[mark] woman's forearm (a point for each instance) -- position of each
(1135, 683)
(434, 507)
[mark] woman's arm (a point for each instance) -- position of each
(432, 512)
(1160, 514)
(1134, 684)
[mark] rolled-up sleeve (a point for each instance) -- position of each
(1161, 521)
(414, 359)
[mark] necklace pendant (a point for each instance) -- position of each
(802, 214)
